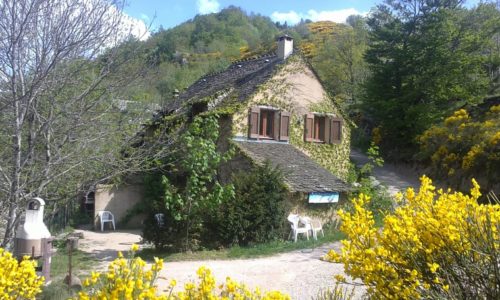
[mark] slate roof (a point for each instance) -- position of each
(243, 76)
(302, 174)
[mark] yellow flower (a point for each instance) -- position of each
(173, 282)
(433, 267)
(134, 248)
(18, 280)
(434, 227)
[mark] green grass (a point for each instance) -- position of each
(81, 262)
(237, 252)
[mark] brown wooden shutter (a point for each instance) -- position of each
(308, 127)
(284, 126)
(276, 125)
(253, 122)
(336, 130)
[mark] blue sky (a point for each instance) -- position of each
(169, 13)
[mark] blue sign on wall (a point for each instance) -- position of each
(324, 197)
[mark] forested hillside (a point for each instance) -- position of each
(404, 67)
(177, 57)
(400, 71)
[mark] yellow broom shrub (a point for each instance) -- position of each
(462, 146)
(18, 280)
(130, 279)
(436, 244)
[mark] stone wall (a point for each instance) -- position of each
(118, 200)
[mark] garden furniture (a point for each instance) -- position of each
(106, 217)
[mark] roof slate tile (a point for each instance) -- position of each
(302, 174)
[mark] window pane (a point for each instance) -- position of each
(319, 128)
(269, 127)
(266, 123)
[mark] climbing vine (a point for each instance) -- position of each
(189, 191)
(279, 92)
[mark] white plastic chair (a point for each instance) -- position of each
(106, 217)
(160, 220)
(313, 225)
(296, 230)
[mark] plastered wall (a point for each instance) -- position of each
(295, 88)
(118, 200)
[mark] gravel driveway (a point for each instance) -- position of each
(301, 273)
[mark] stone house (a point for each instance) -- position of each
(274, 108)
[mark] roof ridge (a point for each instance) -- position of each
(235, 63)
(267, 54)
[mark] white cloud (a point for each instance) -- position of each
(207, 6)
(134, 27)
(338, 16)
(292, 17)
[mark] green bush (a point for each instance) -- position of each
(157, 190)
(257, 213)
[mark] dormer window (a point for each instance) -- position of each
(322, 128)
(268, 123)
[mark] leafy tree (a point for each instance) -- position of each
(189, 191)
(336, 52)
(59, 122)
(426, 58)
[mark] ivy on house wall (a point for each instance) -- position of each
(279, 92)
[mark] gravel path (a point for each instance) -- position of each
(105, 245)
(301, 274)
(395, 177)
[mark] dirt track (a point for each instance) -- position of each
(396, 178)
(301, 274)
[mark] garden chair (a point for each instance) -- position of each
(314, 225)
(296, 229)
(106, 217)
(160, 220)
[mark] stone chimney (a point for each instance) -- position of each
(285, 46)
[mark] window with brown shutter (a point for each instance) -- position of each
(336, 130)
(322, 129)
(268, 123)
